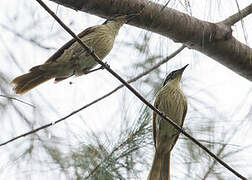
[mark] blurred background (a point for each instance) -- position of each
(112, 139)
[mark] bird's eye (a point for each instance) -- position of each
(173, 75)
(169, 77)
(106, 22)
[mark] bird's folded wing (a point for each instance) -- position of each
(58, 53)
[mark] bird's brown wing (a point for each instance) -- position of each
(182, 123)
(156, 105)
(184, 115)
(68, 44)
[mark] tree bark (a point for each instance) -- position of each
(212, 39)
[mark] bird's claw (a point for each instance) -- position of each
(105, 65)
(87, 71)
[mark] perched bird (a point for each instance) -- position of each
(71, 59)
(172, 102)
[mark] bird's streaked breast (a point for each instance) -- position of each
(101, 42)
(173, 103)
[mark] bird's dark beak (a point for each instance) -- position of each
(130, 17)
(183, 68)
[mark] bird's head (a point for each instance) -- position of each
(119, 20)
(175, 75)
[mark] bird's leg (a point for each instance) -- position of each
(101, 67)
(86, 71)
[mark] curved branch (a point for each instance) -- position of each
(212, 39)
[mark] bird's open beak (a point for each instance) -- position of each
(130, 17)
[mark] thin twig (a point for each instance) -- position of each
(242, 23)
(212, 142)
(21, 36)
(12, 98)
(50, 124)
(96, 58)
(104, 160)
(220, 151)
(120, 146)
(98, 99)
(231, 20)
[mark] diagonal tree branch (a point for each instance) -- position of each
(95, 57)
(212, 39)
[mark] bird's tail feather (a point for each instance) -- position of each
(30, 80)
(160, 169)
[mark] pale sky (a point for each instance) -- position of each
(230, 91)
